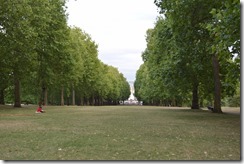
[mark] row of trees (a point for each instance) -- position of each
(43, 58)
(192, 55)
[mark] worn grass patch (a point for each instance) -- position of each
(118, 133)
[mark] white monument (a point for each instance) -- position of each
(132, 100)
(132, 91)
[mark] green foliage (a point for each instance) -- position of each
(44, 55)
(178, 59)
(225, 28)
(234, 100)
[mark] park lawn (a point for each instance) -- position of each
(118, 133)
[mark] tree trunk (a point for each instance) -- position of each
(17, 101)
(62, 96)
(101, 101)
(45, 97)
(92, 100)
(195, 104)
(217, 85)
(87, 101)
(2, 97)
(73, 97)
(81, 101)
(67, 100)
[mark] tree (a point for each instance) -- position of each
(186, 19)
(91, 69)
(51, 25)
(225, 45)
(17, 40)
(43, 58)
(124, 88)
(76, 49)
(177, 59)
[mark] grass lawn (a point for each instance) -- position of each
(118, 133)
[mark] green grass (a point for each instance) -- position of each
(118, 133)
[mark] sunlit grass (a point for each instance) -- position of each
(117, 133)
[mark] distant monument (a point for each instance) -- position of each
(132, 91)
(132, 100)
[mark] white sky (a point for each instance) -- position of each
(118, 27)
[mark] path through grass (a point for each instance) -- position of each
(118, 133)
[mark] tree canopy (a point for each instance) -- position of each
(193, 54)
(43, 58)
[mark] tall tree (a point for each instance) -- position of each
(225, 29)
(76, 48)
(178, 59)
(17, 36)
(51, 25)
(187, 18)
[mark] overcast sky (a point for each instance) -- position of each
(118, 27)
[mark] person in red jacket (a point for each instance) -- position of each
(39, 109)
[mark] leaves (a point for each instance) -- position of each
(39, 48)
(180, 47)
